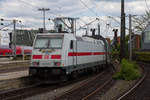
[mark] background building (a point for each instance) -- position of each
(145, 43)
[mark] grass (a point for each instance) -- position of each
(129, 71)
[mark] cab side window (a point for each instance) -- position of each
(71, 44)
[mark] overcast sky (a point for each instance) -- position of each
(26, 11)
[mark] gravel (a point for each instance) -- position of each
(58, 92)
(117, 89)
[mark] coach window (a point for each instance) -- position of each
(71, 44)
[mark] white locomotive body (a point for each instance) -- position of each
(64, 54)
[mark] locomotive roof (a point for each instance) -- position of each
(51, 34)
(85, 38)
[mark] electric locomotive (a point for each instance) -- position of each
(64, 54)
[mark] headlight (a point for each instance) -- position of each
(35, 63)
(57, 63)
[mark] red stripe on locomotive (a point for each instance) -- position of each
(56, 57)
(98, 53)
(85, 53)
(37, 57)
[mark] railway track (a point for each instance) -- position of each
(91, 89)
(31, 90)
(14, 83)
(22, 92)
(141, 91)
(12, 67)
(13, 70)
(9, 70)
(36, 89)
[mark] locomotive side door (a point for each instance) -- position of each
(73, 48)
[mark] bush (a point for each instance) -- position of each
(129, 71)
(142, 56)
(115, 55)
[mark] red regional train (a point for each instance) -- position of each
(5, 51)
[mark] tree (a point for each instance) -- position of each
(140, 22)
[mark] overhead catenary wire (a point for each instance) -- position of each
(114, 19)
(90, 23)
(108, 16)
(6, 26)
(89, 8)
(31, 5)
(83, 21)
(136, 19)
(85, 5)
(140, 23)
(147, 6)
(37, 7)
(50, 12)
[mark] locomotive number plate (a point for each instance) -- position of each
(45, 63)
(46, 57)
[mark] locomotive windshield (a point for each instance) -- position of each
(48, 43)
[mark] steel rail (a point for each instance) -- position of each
(3, 94)
(21, 92)
(94, 92)
(75, 88)
(81, 85)
(134, 87)
(102, 85)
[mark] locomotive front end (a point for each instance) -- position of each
(46, 60)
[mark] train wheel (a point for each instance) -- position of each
(74, 75)
(97, 69)
(85, 70)
(64, 78)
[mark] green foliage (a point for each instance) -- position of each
(129, 71)
(115, 54)
(142, 56)
(116, 50)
